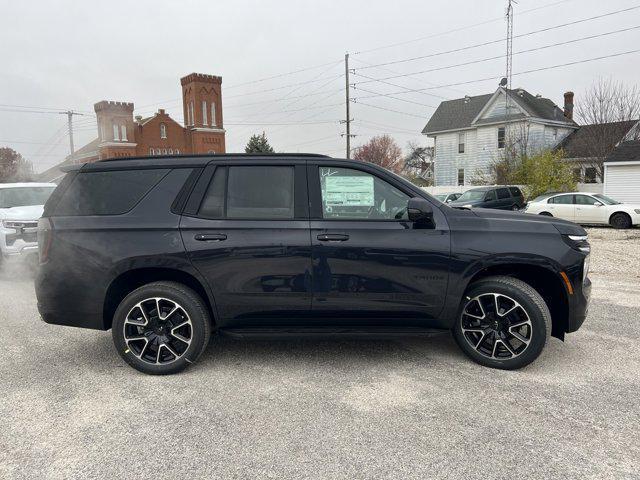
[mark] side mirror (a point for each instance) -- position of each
(449, 200)
(419, 210)
(597, 204)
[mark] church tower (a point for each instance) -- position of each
(202, 107)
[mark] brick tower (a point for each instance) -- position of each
(115, 129)
(202, 106)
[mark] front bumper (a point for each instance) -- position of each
(579, 306)
(19, 242)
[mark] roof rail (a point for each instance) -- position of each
(219, 155)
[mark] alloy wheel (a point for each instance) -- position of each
(496, 326)
(158, 330)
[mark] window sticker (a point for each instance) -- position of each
(354, 191)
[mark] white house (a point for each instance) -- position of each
(622, 173)
(472, 132)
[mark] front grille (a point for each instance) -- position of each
(26, 230)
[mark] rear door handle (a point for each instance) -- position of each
(333, 237)
(213, 237)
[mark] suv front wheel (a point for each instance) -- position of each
(161, 328)
(503, 323)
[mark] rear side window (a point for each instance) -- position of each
(250, 192)
(503, 193)
(515, 191)
(562, 200)
(107, 193)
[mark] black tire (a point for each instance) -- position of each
(545, 214)
(620, 220)
(528, 300)
(173, 354)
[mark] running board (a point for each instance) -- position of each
(318, 332)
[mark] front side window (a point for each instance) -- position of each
(586, 200)
(501, 137)
(352, 194)
(256, 192)
(461, 142)
(490, 196)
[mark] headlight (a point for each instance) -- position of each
(11, 224)
(577, 242)
(467, 206)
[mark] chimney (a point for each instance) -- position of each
(568, 105)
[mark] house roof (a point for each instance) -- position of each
(625, 152)
(580, 143)
(55, 172)
(459, 113)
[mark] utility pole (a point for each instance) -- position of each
(347, 120)
(70, 114)
(508, 74)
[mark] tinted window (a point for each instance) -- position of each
(562, 200)
(260, 192)
(585, 200)
(490, 196)
(353, 194)
(213, 202)
(24, 196)
(503, 193)
(515, 191)
(107, 193)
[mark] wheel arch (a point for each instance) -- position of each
(128, 281)
(544, 278)
(616, 212)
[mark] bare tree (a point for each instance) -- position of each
(609, 107)
(418, 163)
(13, 167)
(383, 151)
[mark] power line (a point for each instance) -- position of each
(500, 40)
(485, 22)
(497, 57)
(387, 109)
(388, 95)
(280, 75)
(493, 77)
(281, 87)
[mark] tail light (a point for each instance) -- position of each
(45, 238)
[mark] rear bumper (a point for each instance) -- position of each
(71, 319)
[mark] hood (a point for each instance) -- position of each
(30, 212)
(564, 226)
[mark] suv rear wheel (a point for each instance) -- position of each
(503, 323)
(161, 328)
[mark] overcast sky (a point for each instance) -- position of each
(61, 55)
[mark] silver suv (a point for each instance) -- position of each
(21, 206)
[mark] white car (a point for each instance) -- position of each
(21, 205)
(586, 209)
(448, 197)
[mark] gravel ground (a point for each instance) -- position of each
(71, 408)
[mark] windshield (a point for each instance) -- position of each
(606, 200)
(541, 197)
(24, 196)
(441, 197)
(472, 195)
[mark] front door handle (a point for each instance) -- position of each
(333, 237)
(213, 237)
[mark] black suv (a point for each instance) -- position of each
(502, 198)
(165, 251)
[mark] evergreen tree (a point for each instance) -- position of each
(258, 144)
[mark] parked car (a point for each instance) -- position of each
(168, 250)
(448, 197)
(586, 209)
(21, 206)
(502, 198)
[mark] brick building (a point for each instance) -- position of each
(120, 134)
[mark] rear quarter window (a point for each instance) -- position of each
(111, 192)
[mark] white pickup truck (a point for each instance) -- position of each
(21, 205)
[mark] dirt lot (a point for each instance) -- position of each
(328, 409)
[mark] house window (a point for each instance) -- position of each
(213, 115)
(204, 113)
(555, 133)
(123, 133)
(577, 174)
(116, 133)
(461, 139)
(461, 176)
(190, 113)
(590, 175)
(171, 151)
(151, 151)
(501, 135)
(177, 152)
(164, 151)
(163, 130)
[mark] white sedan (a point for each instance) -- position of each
(586, 209)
